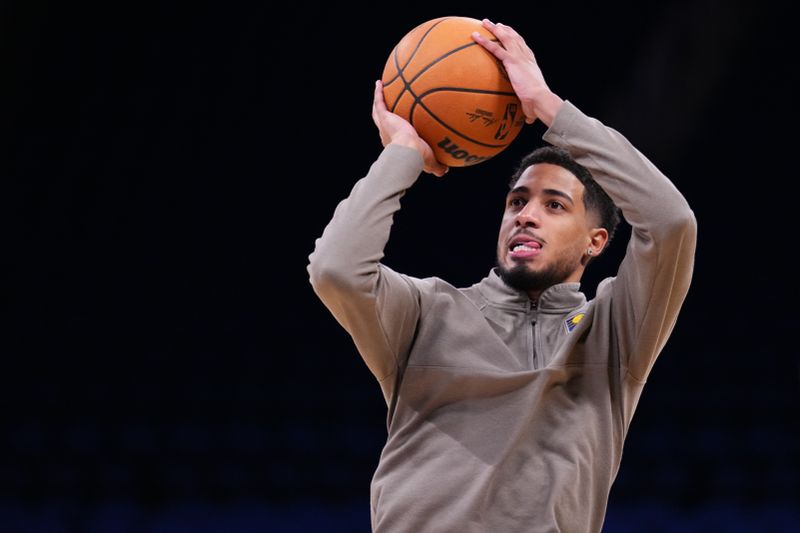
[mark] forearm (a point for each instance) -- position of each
(351, 246)
(375, 305)
(647, 199)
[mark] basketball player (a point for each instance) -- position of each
(509, 400)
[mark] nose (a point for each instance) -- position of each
(528, 217)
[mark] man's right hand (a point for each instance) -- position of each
(537, 100)
(394, 129)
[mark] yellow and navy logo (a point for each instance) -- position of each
(573, 321)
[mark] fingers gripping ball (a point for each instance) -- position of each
(454, 92)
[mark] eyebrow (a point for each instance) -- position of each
(550, 192)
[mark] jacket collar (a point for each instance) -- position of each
(560, 297)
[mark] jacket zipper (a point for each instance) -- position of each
(532, 316)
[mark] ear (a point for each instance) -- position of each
(598, 238)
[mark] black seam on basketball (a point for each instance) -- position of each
(399, 75)
(401, 70)
(441, 57)
(406, 87)
(465, 90)
(416, 48)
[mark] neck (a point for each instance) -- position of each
(534, 295)
(535, 283)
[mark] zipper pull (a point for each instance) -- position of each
(534, 305)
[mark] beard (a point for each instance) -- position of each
(521, 278)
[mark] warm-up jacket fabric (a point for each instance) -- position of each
(506, 415)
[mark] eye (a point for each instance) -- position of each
(552, 204)
(516, 203)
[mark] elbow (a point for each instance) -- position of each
(682, 227)
(675, 227)
(322, 274)
(329, 276)
(686, 223)
(674, 217)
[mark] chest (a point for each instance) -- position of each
(457, 333)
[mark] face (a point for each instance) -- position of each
(546, 231)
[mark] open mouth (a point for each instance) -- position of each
(524, 247)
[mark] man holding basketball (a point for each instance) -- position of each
(509, 400)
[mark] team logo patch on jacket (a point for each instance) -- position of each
(573, 321)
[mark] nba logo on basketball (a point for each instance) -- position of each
(507, 122)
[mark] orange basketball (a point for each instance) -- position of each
(454, 92)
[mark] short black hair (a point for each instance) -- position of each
(594, 197)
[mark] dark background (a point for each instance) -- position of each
(165, 171)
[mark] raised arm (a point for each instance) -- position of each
(378, 307)
(654, 276)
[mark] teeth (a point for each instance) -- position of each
(521, 246)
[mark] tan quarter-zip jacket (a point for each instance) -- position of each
(503, 415)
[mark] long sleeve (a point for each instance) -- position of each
(378, 307)
(654, 276)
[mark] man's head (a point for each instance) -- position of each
(556, 219)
